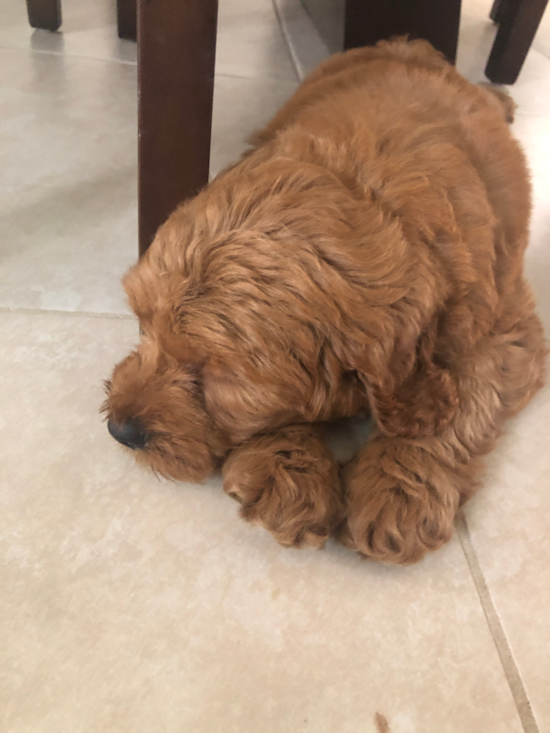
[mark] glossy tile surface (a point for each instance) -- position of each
(68, 190)
(250, 42)
(130, 605)
(88, 29)
(477, 33)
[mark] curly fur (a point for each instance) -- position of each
(365, 255)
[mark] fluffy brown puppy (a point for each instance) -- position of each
(366, 254)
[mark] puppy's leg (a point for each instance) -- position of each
(287, 482)
(403, 493)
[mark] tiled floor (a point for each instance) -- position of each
(129, 605)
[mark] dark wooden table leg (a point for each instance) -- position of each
(45, 14)
(518, 23)
(126, 15)
(176, 52)
(369, 21)
(496, 9)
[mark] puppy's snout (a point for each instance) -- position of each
(130, 433)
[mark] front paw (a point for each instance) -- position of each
(287, 482)
(401, 502)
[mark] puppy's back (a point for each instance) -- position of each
(398, 120)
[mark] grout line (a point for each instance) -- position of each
(286, 36)
(270, 79)
(517, 688)
(306, 11)
(44, 52)
(306, 47)
(69, 314)
(519, 113)
(221, 75)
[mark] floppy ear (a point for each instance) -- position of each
(410, 395)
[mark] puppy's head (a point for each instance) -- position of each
(262, 303)
(225, 351)
(213, 366)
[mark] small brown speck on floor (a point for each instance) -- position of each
(381, 723)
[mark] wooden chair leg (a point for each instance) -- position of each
(176, 53)
(518, 23)
(126, 11)
(369, 21)
(45, 14)
(496, 10)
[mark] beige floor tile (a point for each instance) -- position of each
(534, 135)
(509, 523)
(306, 46)
(478, 11)
(68, 140)
(329, 17)
(477, 33)
(542, 38)
(68, 188)
(242, 106)
(476, 38)
(530, 91)
(135, 605)
(249, 40)
(88, 29)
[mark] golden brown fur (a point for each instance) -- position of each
(367, 254)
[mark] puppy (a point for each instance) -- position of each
(365, 256)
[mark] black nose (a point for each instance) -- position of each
(129, 433)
